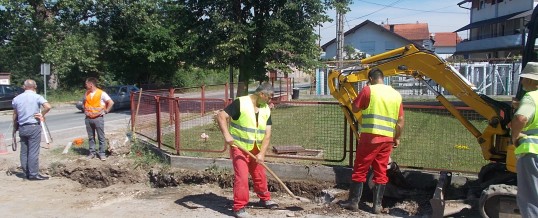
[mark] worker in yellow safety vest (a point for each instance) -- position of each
(381, 128)
(250, 128)
(525, 137)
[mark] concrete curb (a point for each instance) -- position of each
(335, 174)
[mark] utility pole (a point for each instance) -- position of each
(339, 37)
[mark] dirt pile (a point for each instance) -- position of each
(99, 176)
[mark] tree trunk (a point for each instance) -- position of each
(244, 76)
(53, 81)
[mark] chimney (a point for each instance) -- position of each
(391, 27)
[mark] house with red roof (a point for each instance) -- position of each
(372, 38)
(418, 33)
(445, 43)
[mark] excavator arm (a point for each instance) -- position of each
(423, 64)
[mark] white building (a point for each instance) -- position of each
(495, 28)
(372, 39)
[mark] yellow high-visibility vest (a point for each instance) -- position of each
(382, 113)
(529, 143)
(244, 130)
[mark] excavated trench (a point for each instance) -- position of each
(413, 202)
(307, 189)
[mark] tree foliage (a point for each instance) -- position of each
(156, 41)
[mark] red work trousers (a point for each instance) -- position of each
(243, 166)
(377, 155)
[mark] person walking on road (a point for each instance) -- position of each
(250, 127)
(381, 128)
(96, 104)
(27, 118)
(524, 132)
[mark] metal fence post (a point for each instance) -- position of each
(177, 126)
(202, 109)
(226, 92)
(158, 115)
(171, 92)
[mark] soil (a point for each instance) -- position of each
(118, 187)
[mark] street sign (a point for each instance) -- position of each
(45, 69)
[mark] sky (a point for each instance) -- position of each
(441, 15)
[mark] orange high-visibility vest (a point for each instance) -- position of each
(92, 105)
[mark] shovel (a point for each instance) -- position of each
(274, 175)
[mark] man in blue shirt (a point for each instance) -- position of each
(27, 118)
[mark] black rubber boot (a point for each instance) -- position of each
(379, 189)
(355, 193)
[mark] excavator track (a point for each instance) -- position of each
(499, 201)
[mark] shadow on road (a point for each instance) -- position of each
(220, 204)
(211, 201)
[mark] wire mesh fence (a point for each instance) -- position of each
(312, 130)
(434, 139)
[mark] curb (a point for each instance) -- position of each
(56, 107)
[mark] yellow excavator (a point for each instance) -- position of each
(497, 179)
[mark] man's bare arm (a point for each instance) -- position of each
(109, 105)
(46, 108)
(222, 119)
(15, 121)
(517, 124)
(265, 144)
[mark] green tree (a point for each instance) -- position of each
(156, 41)
(257, 36)
(350, 51)
(21, 34)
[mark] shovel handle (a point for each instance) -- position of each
(268, 170)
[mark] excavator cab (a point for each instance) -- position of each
(530, 52)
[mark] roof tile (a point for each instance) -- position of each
(411, 31)
(446, 39)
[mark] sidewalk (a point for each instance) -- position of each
(56, 108)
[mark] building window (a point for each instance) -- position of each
(482, 4)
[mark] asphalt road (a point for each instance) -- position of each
(66, 123)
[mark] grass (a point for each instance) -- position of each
(65, 95)
(144, 157)
(431, 139)
(439, 141)
(141, 154)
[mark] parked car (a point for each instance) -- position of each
(7, 93)
(121, 95)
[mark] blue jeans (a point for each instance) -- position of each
(527, 185)
(93, 126)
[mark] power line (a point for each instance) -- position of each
(391, 5)
(385, 6)
(411, 9)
